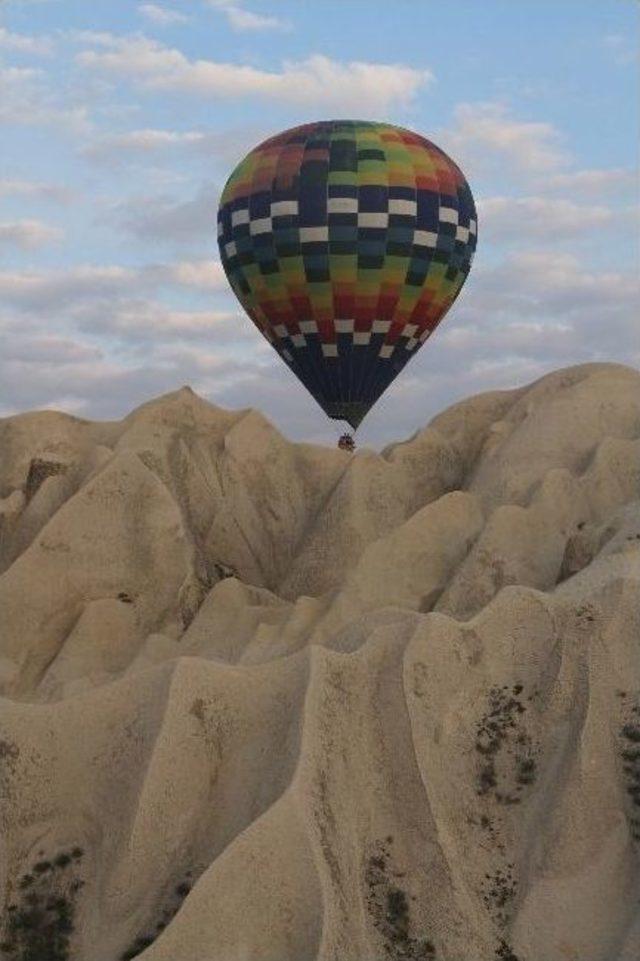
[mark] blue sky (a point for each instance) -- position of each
(121, 121)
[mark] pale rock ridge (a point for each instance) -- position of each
(266, 701)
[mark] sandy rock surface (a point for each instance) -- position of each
(266, 701)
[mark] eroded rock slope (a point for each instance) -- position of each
(267, 701)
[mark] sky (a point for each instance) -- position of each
(122, 120)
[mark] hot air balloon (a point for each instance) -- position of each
(346, 242)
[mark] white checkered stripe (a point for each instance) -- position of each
(367, 219)
(308, 326)
(376, 220)
(408, 330)
(262, 225)
(342, 205)
(284, 208)
(380, 326)
(312, 235)
(448, 215)
(240, 217)
(425, 238)
(416, 339)
(407, 208)
(295, 339)
(346, 325)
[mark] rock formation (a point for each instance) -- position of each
(266, 701)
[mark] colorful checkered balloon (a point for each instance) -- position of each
(346, 242)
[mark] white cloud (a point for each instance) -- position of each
(113, 336)
(27, 234)
(141, 141)
(99, 38)
(511, 338)
(241, 19)
(370, 88)
(55, 289)
(163, 16)
(162, 220)
(593, 182)
(107, 356)
(151, 321)
(484, 136)
(68, 404)
(47, 348)
(197, 274)
(27, 99)
(10, 77)
(95, 386)
(224, 147)
(21, 43)
(527, 218)
(33, 290)
(36, 189)
(545, 283)
(111, 386)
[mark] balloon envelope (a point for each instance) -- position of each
(346, 242)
